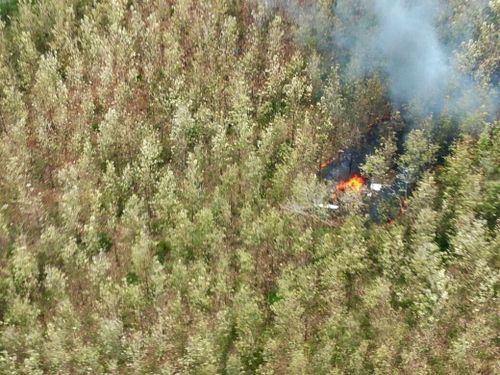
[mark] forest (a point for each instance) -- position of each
(270, 187)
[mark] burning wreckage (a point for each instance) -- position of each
(384, 202)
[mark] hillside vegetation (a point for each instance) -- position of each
(159, 187)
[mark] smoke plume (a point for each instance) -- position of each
(403, 42)
(400, 39)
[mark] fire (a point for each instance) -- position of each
(354, 183)
(325, 163)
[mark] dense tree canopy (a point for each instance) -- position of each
(159, 187)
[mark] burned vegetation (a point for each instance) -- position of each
(249, 187)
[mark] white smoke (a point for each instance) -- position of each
(402, 41)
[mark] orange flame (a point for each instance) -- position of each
(354, 183)
(325, 163)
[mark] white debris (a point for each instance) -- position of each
(376, 187)
(328, 206)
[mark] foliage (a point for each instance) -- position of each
(159, 197)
